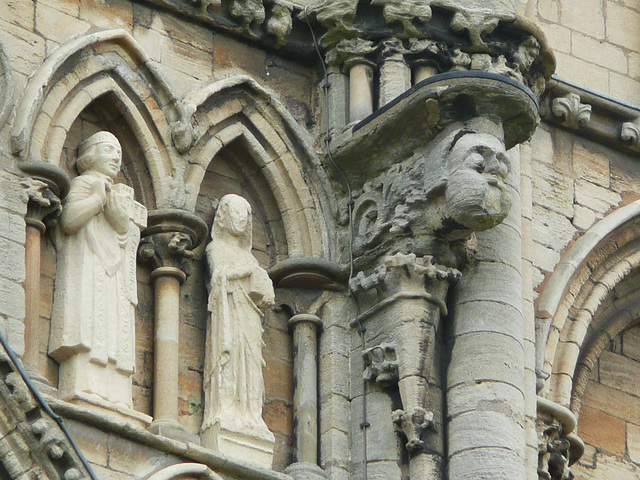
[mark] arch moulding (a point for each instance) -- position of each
(579, 312)
(238, 108)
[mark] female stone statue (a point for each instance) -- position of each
(93, 319)
(239, 291)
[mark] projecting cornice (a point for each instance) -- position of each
(471, 26)
(592, 115)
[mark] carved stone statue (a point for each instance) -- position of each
(239, 291)
(93, 319)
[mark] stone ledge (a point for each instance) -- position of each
(188, 451)
(611, 122)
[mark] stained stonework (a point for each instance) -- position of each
(450, 296)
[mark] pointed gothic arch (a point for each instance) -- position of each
(236, 111)
(592, 297)
(84, 70)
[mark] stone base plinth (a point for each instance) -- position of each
(110, 410)
(239, 445)
(174, 430)
(306, 471)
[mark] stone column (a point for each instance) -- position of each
(487, 357)
(47, 186)
(423, 70)
(166, 243)
(315, 277)
(305, 372)
(395, 75)
(360, 88)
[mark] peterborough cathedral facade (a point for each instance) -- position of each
(319, 239)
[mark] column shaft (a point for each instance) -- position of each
(486, 372)
(395, 79)
(422, 72)
(35, 228)
(167, 311)
(305, 397)
(360, 91)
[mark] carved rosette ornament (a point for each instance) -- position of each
(558, 446)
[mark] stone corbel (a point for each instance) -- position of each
(478, 17)
(250, 13)
(337, 17)
(558, 446)
(407, 294)
(166, 244)
(381, 365)
(412, 422)
(280, 23)
(45, 188)
(630, 132)
(571, 111)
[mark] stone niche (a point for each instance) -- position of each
(232, 171)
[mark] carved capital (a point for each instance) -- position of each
(402, 268)
(558, 447)
(381, 365)
(170, 237)
(307, 273)
(572, 113)
(45, 188)
(351, 52)
(403, 276)
(393, 49)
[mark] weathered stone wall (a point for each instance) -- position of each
(187, 56)
(13, 207)
(595, 42)
(574, 183)
(609, 421)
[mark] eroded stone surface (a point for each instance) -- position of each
(239, 292)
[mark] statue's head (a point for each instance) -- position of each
(102, 153)
(476, 168)
(233, 218)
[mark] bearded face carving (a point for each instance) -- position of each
(453, 188)
(475, 194)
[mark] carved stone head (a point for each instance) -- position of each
(233, 221)
(477, 167)
(101, 152)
